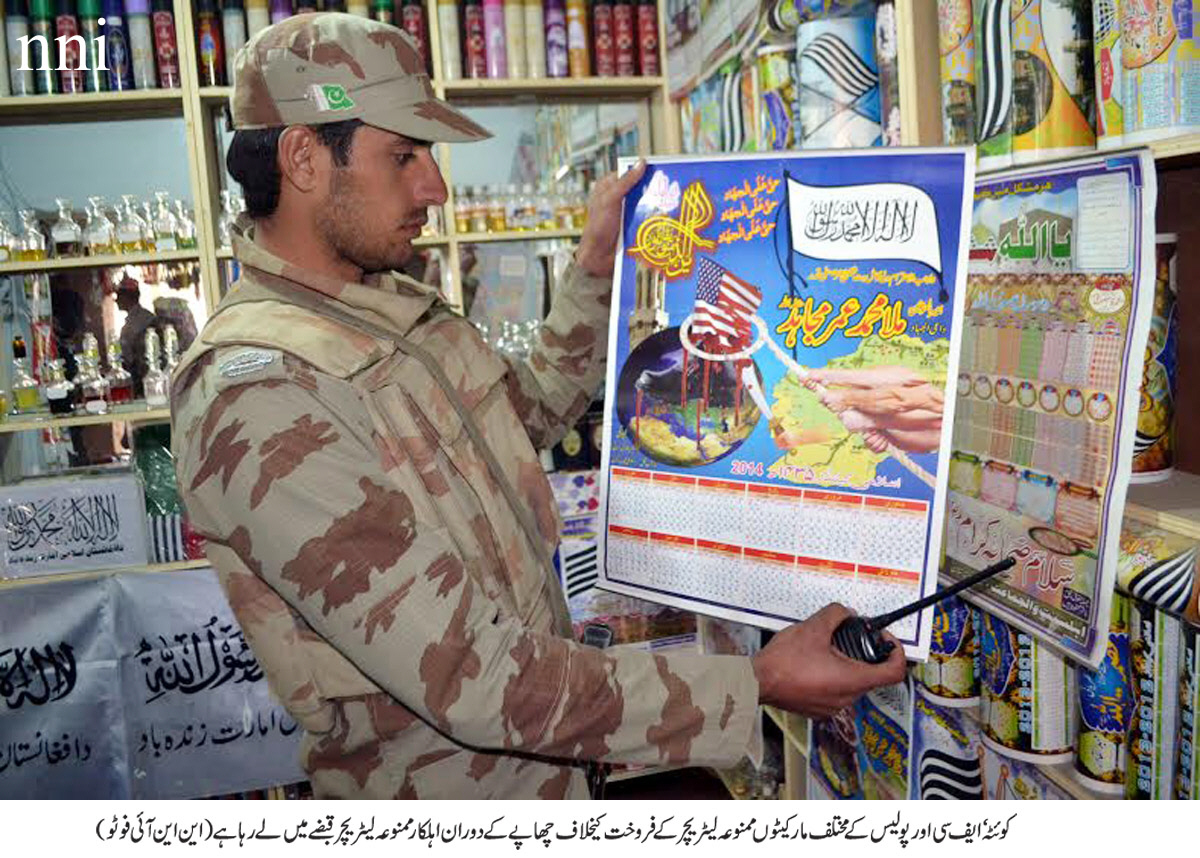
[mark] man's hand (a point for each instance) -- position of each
(598, 248)
(801, 671)
(887, 404)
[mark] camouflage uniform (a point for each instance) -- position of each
(382, 578)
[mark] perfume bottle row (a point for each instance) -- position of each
(92, 389)
(130, 227)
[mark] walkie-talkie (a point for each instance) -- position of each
(861, 638)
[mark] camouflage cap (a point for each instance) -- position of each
(329, 66)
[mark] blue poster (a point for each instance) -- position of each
(781, 360)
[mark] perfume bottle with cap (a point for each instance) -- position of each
(65, 233)
(156, 383)
(100, 233)
(93, 386)
(57, 390)
(120, 382)
(26, 395)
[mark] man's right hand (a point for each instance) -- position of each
(801, 671)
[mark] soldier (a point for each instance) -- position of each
(364, 467)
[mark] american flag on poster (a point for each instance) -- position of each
(725, 305)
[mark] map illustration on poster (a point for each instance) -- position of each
(781, 374)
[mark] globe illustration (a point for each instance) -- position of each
(676, 416)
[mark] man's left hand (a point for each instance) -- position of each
(597, 251)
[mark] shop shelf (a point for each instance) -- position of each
(90, 106)
(215, 94)
(1177, 151)
(148, 568)
(791, 731)
(133, 413)
(560, 87)
(115, 260)
(516, 235)
(1173, 504)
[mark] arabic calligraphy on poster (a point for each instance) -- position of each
(1057, 312)
(781, 358)
(112, 688)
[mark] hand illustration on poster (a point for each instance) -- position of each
(783, 337)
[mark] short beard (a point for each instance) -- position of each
(343, 223)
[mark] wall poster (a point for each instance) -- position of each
(1059, 301)
(781, 376)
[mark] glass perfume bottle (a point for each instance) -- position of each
(100, 233)
(57, 390)
(120, 382)
(93, 386)
(165, 225)
(26, 395)
(8, 242)
(130, 229)
(171, 347)
(65, 233)
(156, 383)
(148, 236)
(33, 242)
(185, 228)
(225, 221)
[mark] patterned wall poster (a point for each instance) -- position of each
(1058, 309)
(782, 355)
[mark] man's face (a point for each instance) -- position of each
(376, 204)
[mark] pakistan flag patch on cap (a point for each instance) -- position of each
(331, 96)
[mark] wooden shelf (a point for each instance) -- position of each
(1173, 504)
(516, 235)
(216, 94)
(561, 87)
(799, 743)
(145, 569)
(1175, 151)
(135, 413)
(90, 106)
(112, 261)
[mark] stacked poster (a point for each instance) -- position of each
(1058, 309)
(781, 375)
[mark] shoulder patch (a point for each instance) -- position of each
(249, 364)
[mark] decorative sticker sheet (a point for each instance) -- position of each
(780, 377)
(1058, 310)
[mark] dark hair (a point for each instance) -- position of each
(253, 163)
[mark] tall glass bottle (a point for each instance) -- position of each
(33, 242)
(116, 45)
(166, 46)
(226, 220)
(535, 39)
(66, 27)
(474, 44)
(209, 53)
(447, 12)
(233, 28)
(185, 228)
(557, 62)
(170, 347)
(148, 238)
(100, 233)
(95, 78)
(141, 44)
(65, 234)
(16, 27)
(26, 395)
(156, 383)
(165, 225)
(120, 382)
(42, 57)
